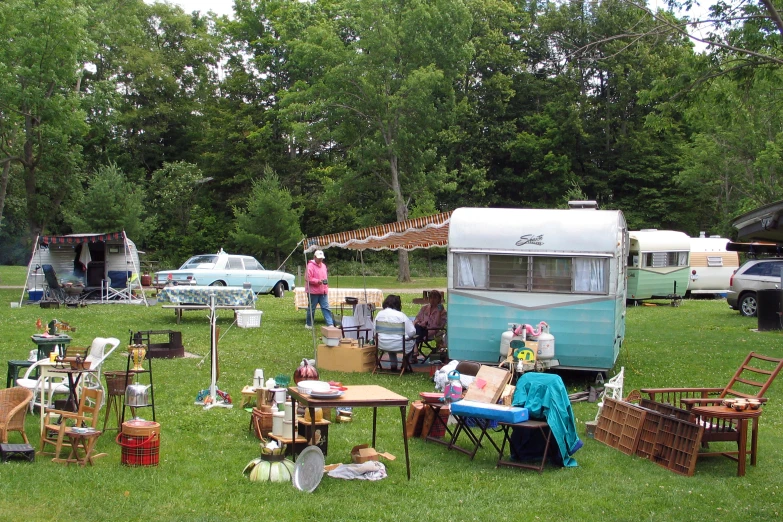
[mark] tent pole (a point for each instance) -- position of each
(364, 275)
(29, 267)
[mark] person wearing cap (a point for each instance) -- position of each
(316, 285)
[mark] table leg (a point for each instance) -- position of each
(743, 442)
(405, 441)
(754, 439)
(374, 417)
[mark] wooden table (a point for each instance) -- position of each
(369, 396)
(741, 418)
(74, 376)
(85, 441)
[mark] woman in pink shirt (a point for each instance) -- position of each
(431, 319)
(316, 286)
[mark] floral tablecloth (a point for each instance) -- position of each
(224, 295)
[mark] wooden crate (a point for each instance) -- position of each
(670, 442)
(619, 425)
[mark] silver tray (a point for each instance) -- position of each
(309, 469)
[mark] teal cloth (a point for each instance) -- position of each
(546, 398)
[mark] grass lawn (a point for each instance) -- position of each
(203, 453)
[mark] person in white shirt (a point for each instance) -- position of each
(392, 313)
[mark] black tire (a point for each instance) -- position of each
(217, 283)
(748, 305)
(279, 289)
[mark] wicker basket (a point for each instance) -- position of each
(261, 422)
(115, 382)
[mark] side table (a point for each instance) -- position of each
(546, 432)
(14, 368)
(741, 419)
(84, 441)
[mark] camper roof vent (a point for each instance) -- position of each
(583, 204)
(702, 234)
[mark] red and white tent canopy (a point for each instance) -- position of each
(424, 232)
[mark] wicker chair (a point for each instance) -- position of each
(13, 402)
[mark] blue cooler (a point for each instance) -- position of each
(35, 294)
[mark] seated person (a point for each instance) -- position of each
(392, 313)
(431, 319)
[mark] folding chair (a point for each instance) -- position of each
(53, 290)
(393, 329)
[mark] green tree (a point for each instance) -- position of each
(268, 227)
(109, 204)
(381, 84)
(43, 44)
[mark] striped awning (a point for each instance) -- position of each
(75, 239)
(424, 232)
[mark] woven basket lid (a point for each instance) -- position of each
(140, 427)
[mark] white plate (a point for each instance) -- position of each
(326, 395)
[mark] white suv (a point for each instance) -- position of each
(752, 276)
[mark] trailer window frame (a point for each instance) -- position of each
(512, 272)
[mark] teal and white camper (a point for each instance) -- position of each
(658, 264)
(523, 266)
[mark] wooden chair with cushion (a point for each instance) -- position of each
(13, 405)
(56, 421)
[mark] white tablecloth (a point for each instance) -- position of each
(338, 295)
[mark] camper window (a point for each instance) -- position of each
(532, 273)
(714, 261)
(664, 259)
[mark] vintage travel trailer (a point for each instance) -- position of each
(524, 266)
(658, 264)
(86, 259)
(711, 265)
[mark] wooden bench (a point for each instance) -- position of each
(179, 308)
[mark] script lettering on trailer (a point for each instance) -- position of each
(530, 239)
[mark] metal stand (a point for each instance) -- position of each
(130, 372)
(213, 400)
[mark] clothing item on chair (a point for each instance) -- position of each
(546, 398)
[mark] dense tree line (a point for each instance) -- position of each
(194, 132)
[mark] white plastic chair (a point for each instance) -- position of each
(45, 386)
(98, 353)
(614, 386)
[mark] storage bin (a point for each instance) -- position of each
(249, 318)
(35, 294)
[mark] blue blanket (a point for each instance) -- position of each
(546, 398)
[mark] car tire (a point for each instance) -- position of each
(748, 305)
(279, 289)
(217, 283)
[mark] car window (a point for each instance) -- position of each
(251, 264)
(234, 263)
(204, 261)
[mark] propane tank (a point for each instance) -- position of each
(506, 338)
(546, 344)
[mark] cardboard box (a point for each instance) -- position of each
(345, 358)
(364, 453)
(331, 332)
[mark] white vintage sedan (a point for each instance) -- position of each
(223, 269)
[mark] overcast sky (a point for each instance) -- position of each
(221, 7)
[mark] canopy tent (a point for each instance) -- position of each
(423, 232)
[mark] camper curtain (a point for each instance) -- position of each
(471, 270)
(590, 275)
